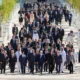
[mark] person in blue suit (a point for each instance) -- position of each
(23, 62)
(31, 60)
(41, 61)
(58, 61)
(70, 19)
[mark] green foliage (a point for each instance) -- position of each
(6, 8)
(75, 3)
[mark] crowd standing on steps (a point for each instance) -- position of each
(39, 46)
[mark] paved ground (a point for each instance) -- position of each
(44, 76)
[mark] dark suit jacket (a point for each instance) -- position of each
(4, 59)
(1, 57)
(58, 59)
(61, 33)
(31, 58)
(41, 59)
(15, 29)
(25, 50)
(13, 42)
(37, 58)
(23, 60)
(51, 58)
(13, 60)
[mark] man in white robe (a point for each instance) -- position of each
(75, 54)
(18, 53)
(63, 54)
(35, 36)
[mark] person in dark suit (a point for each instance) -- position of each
(25, 5)
(70, 18)
(37, 60)
(51, 16)
(15, 29)
(56, 36)
(31, 60)
(21, 34)
(41, 61)
(13, 42)
(46, 54)
(25, 50)
(8, 49)
(66, 12)
(56, 16)
(20, 19)
(71, 61)
(58, 61)
(1, 59)
(41, 0)
(23, 62)
(58, 45)
(51, 61)
(4, 61)
(79, 57)
(61, 34)
(12, 61)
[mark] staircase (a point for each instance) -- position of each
(7, 27)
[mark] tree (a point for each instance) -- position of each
(75, 3)
(6, 8)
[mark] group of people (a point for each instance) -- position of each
(39, 46)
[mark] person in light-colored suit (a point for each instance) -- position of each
(18, 53)
(63, 54)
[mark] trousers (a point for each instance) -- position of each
(18, 66)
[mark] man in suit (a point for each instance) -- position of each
(12, 61)
(70, 61)
(41, 61)
(8, 49)
(15, 29)
(31, 60)
(51, 61)
(46, 54)
(1, 61)
(58, 61)
(23, 62)
(66, 12)
(13, 42)
(56, 36)
(21, 34)
(41, 0)
(37, 60)
(56, 16)
(4, 59)
(70, 18)
(61, 33)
